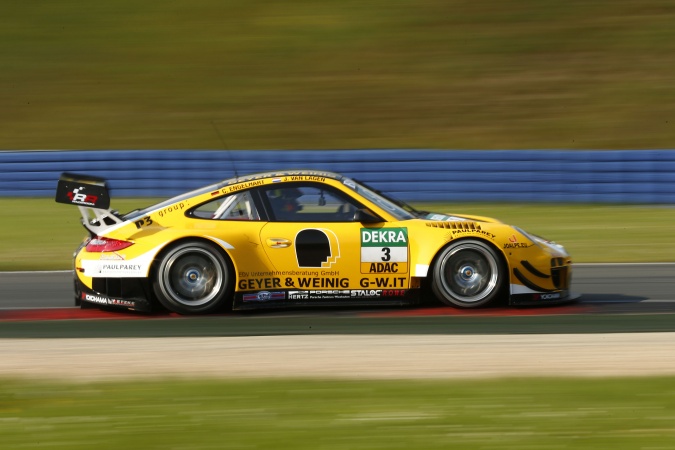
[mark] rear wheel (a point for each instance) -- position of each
(192, 278)
(468, 274)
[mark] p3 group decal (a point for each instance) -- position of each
(316, 248)
(384, 250)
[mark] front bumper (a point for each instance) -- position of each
(544, 298)
(542, 284)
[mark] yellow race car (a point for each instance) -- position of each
(301, 238)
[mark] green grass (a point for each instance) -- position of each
(322, 74)
(332, 415)
(39, 234)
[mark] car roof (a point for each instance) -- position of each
(236, 180)
(283, 173)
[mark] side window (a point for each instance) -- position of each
(234, 207)
(310, 203)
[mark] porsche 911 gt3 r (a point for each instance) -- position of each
(301, 238)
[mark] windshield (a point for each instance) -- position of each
(392, 206)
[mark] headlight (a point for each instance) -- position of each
(540, 241)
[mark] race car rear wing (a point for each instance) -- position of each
(90, 195)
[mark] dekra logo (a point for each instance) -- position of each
(390, 236)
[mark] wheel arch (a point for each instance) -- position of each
(500, 253)
(187, 239)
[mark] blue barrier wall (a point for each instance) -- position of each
(642, 176)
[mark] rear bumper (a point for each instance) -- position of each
(123, 293)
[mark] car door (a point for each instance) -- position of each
(319, 252)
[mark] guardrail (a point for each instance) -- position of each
(628, 176)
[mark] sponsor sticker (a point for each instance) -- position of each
(250, 284)
(384, 250)
(101, 300)
(264, 296)
(114, 268)
(383, 282)
(94, 299)
(551, 296)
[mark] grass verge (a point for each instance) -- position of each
(517, 74)
(618, 413)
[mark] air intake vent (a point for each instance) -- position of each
(559, 273)
(454, 225)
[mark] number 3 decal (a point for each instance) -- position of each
(387, 254)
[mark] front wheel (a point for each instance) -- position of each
(468, 274)
(192, 278)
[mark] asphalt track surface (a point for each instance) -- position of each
(615, 298)
(624, 325)
(634, 288)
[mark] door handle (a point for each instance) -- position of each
(278, 242)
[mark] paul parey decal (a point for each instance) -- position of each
(384, 250)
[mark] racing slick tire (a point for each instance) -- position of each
(468, 274)
(193, 278)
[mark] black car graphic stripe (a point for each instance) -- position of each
(533, 270)
(528, 283)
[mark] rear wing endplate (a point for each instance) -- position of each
(91, 195)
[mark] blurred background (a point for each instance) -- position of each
(323, 74)
(329, 75)
(513, 75)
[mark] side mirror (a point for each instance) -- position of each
(365, 216)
